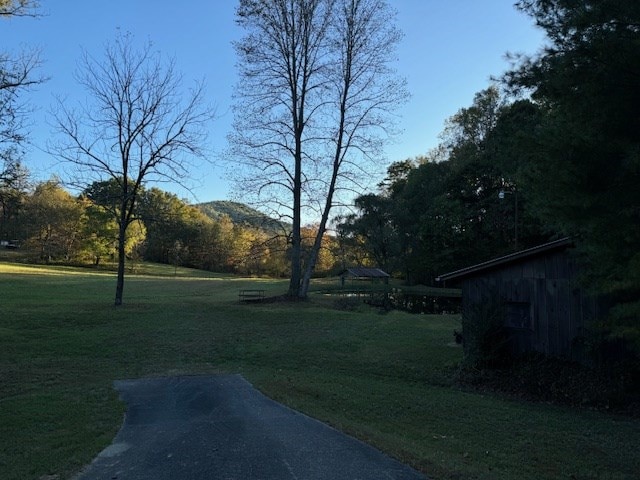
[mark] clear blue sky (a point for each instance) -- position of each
(450, 50)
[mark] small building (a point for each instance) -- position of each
(364, 274)
(543, 307)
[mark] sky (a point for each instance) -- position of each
(450, 51)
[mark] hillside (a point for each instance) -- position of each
(242, 214)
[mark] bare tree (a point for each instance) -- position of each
(137, 129)
(17, 74)
(280, 82)
(313, 107)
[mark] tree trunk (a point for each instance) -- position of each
(295, 279)
(296, 237)
(311, 264)
(317, 244)
(337, 160)
(121, 260)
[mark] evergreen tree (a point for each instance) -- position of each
(586, 176)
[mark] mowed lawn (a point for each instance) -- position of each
(385, 378)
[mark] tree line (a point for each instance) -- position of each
(49, 224)
(466, 201)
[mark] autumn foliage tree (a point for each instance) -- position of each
(54, 221)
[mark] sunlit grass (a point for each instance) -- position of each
(26, 269)
(132, 270)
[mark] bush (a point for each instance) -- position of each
(486, 341)
(613, 356)
(536, 377)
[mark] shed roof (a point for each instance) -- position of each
(364, 272)
(560, 244)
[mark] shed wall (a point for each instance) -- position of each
(545, 288)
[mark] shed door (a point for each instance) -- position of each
(519, 323)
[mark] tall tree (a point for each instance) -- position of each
(312, 106)
(588, 174)
(17, 74)
(138, 128)
(469, 127)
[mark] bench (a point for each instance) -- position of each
(250, 295)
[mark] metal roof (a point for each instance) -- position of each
(511, 258)
(365, 272)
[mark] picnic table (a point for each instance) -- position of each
(250, 295)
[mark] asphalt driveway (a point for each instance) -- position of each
(220, 427)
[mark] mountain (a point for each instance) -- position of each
(243, 215)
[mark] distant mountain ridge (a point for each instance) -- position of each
(242, 214)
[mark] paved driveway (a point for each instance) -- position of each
(220, 427)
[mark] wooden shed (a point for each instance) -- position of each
(360, 274)
(543, 307)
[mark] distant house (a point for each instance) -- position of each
(363, 274)
(544, 308)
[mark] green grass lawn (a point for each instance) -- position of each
(382, 377)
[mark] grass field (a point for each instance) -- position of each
(382, 377)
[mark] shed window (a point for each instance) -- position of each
(518, 315)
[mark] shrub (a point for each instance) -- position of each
(485, 337)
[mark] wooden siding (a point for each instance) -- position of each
(559, 308)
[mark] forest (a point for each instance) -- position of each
(45, 223)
